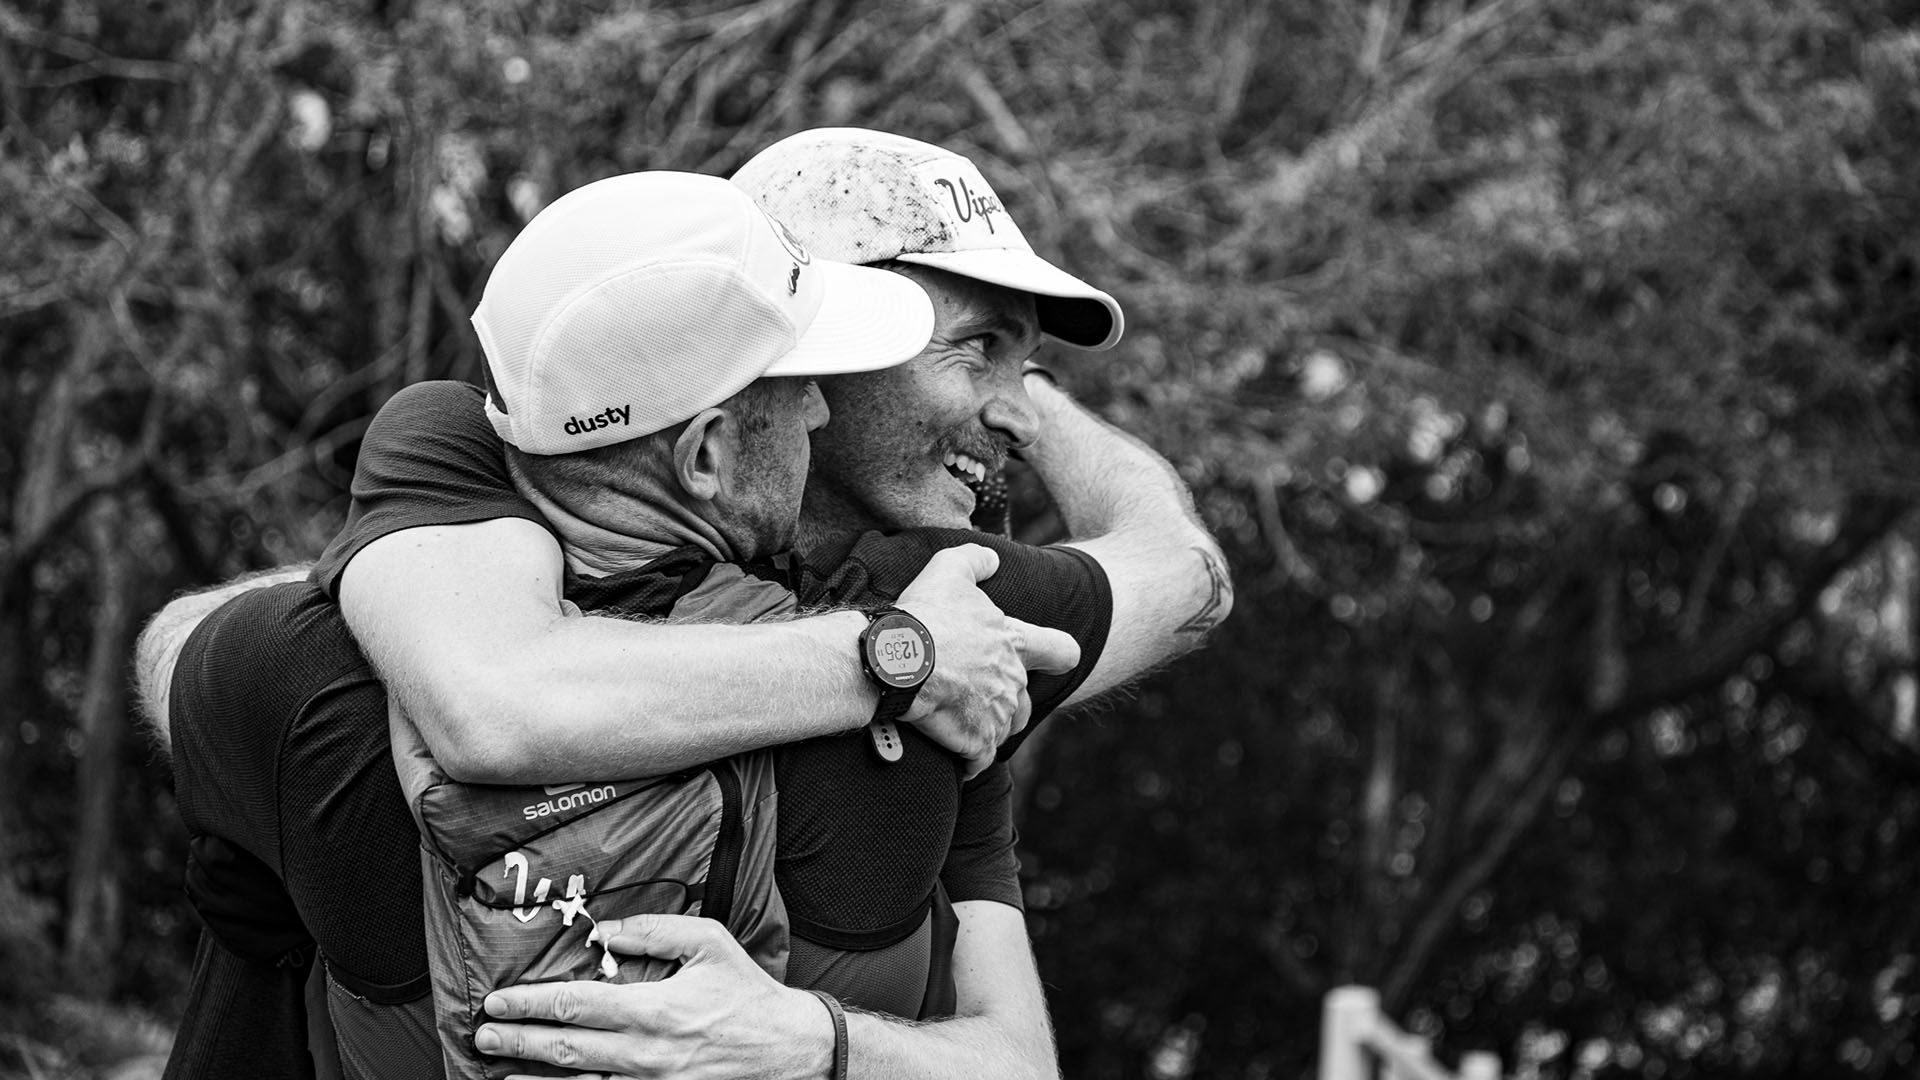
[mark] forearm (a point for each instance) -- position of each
(719, 1015)
(464, 624)
(960, 1048)
(592, 697)
(1102, 479)
(1124, 505)
(1001, 1029)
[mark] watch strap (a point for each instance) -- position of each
(885, 735)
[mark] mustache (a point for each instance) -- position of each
(976, 444)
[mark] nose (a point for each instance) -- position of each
(1009, 412)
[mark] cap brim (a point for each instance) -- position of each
(867, 321)
(1070, 310)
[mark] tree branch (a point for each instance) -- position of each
(74, 498)
(1662, 673)
(1709, 569)
(1304, 981)
(1523, 812)
(90, 62)
(1658, 676)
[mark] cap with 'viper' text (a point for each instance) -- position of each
(865, 196)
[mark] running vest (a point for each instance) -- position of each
(516, 876)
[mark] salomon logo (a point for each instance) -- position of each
(560, 804)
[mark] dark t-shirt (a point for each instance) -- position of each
(281, 745)
(280, 750)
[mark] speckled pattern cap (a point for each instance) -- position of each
(864, 196)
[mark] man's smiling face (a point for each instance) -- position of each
(907, 443)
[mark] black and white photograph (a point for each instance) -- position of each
(963, 540)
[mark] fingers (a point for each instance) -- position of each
(608, 1006)
(977, 763)
(977, 562)
(568, 1048)
(583, 1002)
(685, 938)
(1043, 648)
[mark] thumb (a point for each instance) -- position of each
(1043, 648)
(977, 563)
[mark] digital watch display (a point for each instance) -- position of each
(896, 652)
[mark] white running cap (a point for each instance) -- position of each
(630, 304)
(866, 196)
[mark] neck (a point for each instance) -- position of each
(828, 519)
(619, 530)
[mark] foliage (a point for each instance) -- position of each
(1547, 368)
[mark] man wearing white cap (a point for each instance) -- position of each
(876, 198)
(653, 340)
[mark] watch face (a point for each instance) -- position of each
(899, 651)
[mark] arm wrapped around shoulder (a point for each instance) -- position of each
(1124, 505)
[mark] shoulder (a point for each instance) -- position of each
(440, 399)
(430, 439)
(254, 664)
(440, 424)
(431, 457)
(1030, 582)
(260, 627)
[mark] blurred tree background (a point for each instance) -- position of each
(1546, 366)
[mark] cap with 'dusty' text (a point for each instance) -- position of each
(630, 304)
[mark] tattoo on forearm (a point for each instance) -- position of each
(1219, 588)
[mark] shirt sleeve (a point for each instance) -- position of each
(430, 457)
(981, 864)
(1058, 587)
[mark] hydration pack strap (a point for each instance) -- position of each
(382, 993)
(943, 997)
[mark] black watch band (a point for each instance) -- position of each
(894, 704)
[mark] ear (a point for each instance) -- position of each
(704, 454)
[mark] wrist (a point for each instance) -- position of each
(836, 637)
(1053, 408)
(836, 1044)
(1043, 389)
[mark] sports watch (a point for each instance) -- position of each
(896, 652)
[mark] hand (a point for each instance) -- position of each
(720, 1015)
(977, 694)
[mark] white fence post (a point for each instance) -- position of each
(1480, 1065)
(1358, 1043)
(1411, 1052)
(1349, 1015)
